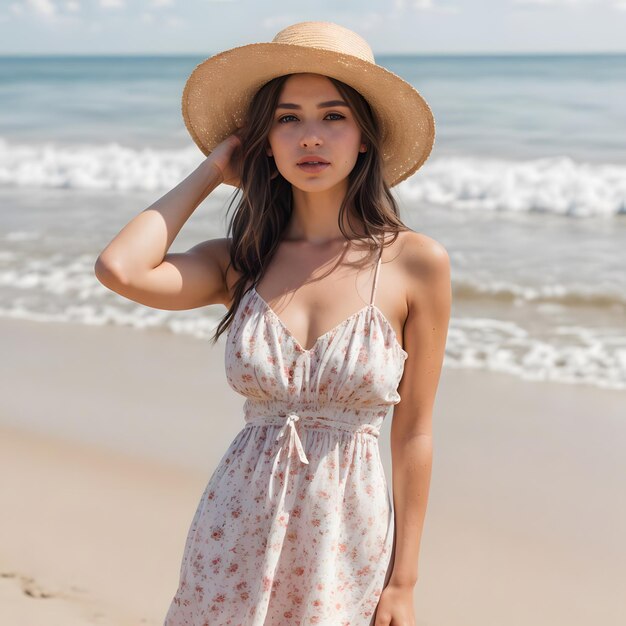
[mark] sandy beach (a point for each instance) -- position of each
(108, 436)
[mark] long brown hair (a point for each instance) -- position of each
(265, 206)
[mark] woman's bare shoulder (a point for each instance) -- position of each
(425, 265)
(420, 252)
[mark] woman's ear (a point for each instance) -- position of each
(269, 151)
(363, 148)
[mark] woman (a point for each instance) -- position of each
(296, 524)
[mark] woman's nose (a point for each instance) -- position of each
(310, 137)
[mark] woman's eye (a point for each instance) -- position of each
(283, 119)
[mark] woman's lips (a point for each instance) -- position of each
(313, 168)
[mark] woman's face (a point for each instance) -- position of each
(311, 121)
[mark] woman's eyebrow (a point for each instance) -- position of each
(321, 105)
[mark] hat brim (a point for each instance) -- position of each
(218, 91)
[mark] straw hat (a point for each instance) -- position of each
(218, 91)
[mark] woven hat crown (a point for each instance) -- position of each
(326, 36)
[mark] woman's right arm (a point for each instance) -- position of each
(136, 263)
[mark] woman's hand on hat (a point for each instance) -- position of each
(227, 158)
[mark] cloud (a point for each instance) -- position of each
(52, 12)
(45, 8)
(16, 9)
(157, 4)
(554, 2)
(423, 5)
(49, 9)
(620, 5)
(279, 21)
(418, 5)
(368, 22)
(175, 22)
(112, 4)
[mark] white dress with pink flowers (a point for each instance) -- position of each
(296, 525)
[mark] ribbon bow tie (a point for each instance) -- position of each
(294, 438)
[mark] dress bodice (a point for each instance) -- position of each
(351, 373)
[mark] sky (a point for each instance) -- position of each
(29, 27)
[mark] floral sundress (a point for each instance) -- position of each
(295, 525)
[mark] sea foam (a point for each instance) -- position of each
(557, 185)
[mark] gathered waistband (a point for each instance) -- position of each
(306, 420)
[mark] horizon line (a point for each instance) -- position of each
(379, 54)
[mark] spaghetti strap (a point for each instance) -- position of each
(380, 256)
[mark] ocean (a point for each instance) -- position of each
(525, 187)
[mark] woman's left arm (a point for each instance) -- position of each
(429, 299)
